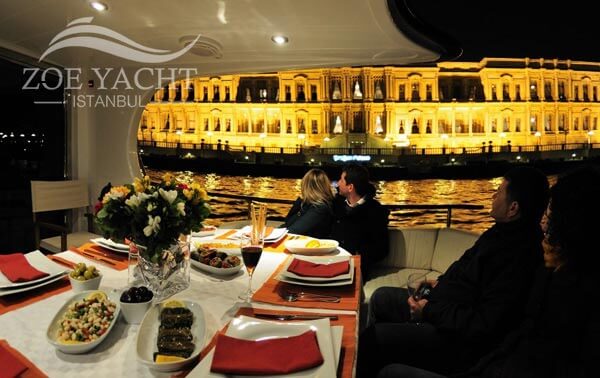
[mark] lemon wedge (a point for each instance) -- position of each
(99, 295)
(162, 359)
(173, 303)
(314, 243)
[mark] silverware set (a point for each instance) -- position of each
(293, 296)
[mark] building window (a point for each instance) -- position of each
(428, 92)
(575, 93)
(595, 94)
(494, 96)
(518, 125)
(548, 91)
(517, 92)
(314, 127)
(533, 123)
(402, 92)
(216, 94)
(313, 93)
(288, 93)
(561, 91)
(505, 92)
(300, 95)
(534, 91)
(336, 93)
(378, 95)
(414, 92)
(586, 96)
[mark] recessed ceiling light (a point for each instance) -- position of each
(279, 39)
(100, 7)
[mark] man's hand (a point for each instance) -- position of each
(416, 307)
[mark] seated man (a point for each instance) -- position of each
(479, 298)
(360, 221)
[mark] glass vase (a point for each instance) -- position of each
(166, 277)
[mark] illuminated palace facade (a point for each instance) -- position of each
(444, 105)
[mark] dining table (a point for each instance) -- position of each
(25, 317)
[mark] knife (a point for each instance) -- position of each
(295, 316)
(92, 256)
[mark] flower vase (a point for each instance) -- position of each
(165, 277)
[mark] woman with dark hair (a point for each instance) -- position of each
(559, 336)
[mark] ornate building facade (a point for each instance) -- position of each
(449, 104)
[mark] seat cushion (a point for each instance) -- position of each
(450, 246)
(75, 239)
(410, 248)
(395, 277)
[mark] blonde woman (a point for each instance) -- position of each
(311, 214)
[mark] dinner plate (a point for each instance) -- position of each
(109, 244)
(148, 333)
(320, 260)
(22, 289)
(40, 262)
(54, 326)
(298, 246)
(222, 245)
(217, 271)
(248, 328)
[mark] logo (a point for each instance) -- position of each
(81, 33)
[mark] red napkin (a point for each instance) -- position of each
(11, 366)
(273, 356)
(311, 269)
(17, 269)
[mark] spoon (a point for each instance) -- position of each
(291, 296)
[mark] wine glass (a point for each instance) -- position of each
(251, 245)
(251, 253)
(413, 285)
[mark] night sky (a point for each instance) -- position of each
(516, 29)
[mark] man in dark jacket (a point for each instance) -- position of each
(360, 221)
(475, 303)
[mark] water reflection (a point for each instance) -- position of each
(431, 191)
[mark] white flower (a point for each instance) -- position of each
(153, 225)
(168, 196)
(181, 208)
(150, 207)
(133, 201)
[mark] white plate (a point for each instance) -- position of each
(206, 231)
(109, 244)
(320, 260)
(22, 289)
(222, 245)
(54, 326)
(148, 333)
(273, 237)
(247, 328)
(40, 262)
(298, 246)
(217, 271)
(311, 283)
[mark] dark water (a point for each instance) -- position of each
(428, 191)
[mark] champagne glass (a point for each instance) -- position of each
(251, 245)
(413, 284)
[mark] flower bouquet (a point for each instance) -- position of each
(156, 219)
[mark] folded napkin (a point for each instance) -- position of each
(311, 269)
(272, 356)
(17, 269)
(11, 365)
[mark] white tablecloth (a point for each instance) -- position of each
(25, 328)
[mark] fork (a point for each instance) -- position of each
(292, 296)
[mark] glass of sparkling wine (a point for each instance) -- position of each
(252, 245)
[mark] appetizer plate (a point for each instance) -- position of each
(205, 231)
(109, 244)
(299, 246)
(320, 260)
(217, 271)
(148, 333)
(248, 328)
(80, 347)
(228, 246)
(40, 262)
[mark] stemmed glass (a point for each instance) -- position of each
(251, 245)
(413, 284)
